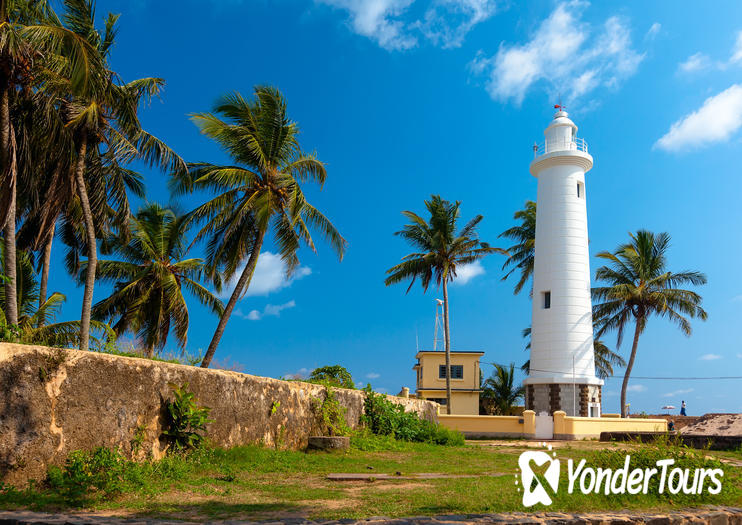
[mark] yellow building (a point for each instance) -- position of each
(431, 379)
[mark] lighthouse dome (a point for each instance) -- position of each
(561, 130)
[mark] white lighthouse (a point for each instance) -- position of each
(562, 375)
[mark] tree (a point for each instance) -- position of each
(36, 323)
(520, 255)
(605, 358)
(500, 388)
(335, 375)
(103, 121)
(260, 194)
(441, 251)
(33, 46)
(149, 282)
(638, 285)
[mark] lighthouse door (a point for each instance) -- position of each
(544, 426)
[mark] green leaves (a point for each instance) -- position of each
(439, 249)
(186, 421)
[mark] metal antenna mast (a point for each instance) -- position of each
(438, 335)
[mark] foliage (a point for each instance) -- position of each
(150, 280)
(383, 417)
(89, 475)
(186, 420)
(335, 375)
(259, 194)
(331, 414)
(500, 388)
(521, 254)
(637, 286)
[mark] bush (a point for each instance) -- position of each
(386, 418)
(86, 475)
(331, 414)
(185, 420)
(335, 375)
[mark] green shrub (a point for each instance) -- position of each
(386, 418)
(88, 475)
(331, 414)
(185, 420)
(335, 375)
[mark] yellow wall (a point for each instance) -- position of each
(568, 428)
(429, 385)
(461, 402)
(491, 426)
(591, 427)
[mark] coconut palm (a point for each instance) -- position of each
(605, 358)
(33, 47)
(260, 194)
(500, 388)
(103, 120)
(150, 280)
(441, 252)
(520, 258)
(638, 285)
(36, 322)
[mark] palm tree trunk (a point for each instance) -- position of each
(241, 284)
(87, 215)
(447, 341)
(625, 385)
(8, 170)
(45, 262)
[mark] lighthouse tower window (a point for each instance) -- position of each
(580, 190)
(546, 296)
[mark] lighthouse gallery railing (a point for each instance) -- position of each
(549, 146)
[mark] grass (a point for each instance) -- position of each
(254, 482)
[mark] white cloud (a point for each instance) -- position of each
(709, 357)
(390, 24)
(273, 310)
(694, 63)
(564, 54)
(737, 299)
(467, 272)
(373, 375)
(716, 120)
(737, 50)
(653, 31)
(676, 393)
(636, 388)
(739, 356)
(269, 276)
(302, 373)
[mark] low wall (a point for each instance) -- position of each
(711, 442)
(566, 427)
(483, 427)
(54, 401)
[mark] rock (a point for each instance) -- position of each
(328, 443)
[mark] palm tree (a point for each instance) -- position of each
(638, 286)
(36, 322)
(441, 251)
(520, 258)
(33, 46)
(149, 281)
(104, 122)
(605, 358)
(258, 194)
(500, 388)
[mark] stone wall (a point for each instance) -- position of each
(54, 401)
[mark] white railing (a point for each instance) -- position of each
(549, 146)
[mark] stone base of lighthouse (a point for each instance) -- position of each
(578, 399)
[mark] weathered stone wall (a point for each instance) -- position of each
(55, 401)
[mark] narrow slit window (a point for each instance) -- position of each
(580, 191)
(547, 300)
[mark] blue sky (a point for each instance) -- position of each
(405, 98)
